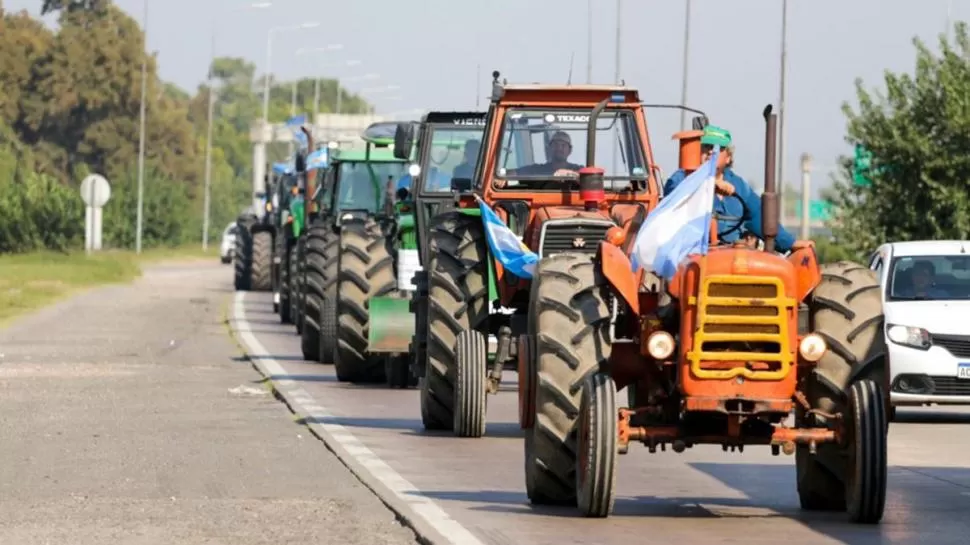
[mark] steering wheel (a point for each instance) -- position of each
(738, 220)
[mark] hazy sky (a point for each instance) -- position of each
(430, 48)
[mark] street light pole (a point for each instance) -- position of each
(782, 189)
(141, 137)
(683, 85)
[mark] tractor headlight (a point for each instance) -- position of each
(660, 345)
(913, 337)
(812, 347)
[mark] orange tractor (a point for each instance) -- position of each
(714, 356)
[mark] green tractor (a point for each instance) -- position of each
(349, 254)
(288, 223)
(444, 145)
(253, 254)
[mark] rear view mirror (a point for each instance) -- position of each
(300, 162)
(403, 140)
(461, 185)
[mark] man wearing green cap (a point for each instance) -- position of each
(730, 184)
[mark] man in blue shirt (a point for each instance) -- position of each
(730, 189)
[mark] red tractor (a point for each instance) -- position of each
(715, 355)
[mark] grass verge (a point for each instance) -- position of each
(31, 281)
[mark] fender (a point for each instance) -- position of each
(807, 272)
(616, 267)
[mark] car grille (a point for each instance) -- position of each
(582, 236)
(950, 386)
(958, 345)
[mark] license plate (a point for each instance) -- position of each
(963, 370)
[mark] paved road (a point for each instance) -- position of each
(470, 491)
(128, 416)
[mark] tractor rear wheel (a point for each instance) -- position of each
(457, 301)
(596, 446)
(471, 368)
(365, 269)
(572, 326)
(262, 261)
(293, 279)
(328, 305)
(845, 310)
(243, 259)
(299, 283)
(313, 294)
(286, 309)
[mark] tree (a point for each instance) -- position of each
(918, 133)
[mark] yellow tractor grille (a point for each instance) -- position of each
(742, 329)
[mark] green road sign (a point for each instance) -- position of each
(862, 162)
(818, 210)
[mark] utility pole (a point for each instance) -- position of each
(296, 82)
(683, 85)
(141, 136)
(589, 41)
(616, 72)
(806, 196)
(478, 84)
(208, 152)
(782, 189)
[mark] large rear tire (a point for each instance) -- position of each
(365, 269)
(328, 305)
(243, 259)
(846, 310)
(262, 261)
(310, 339)
(299, 284)
(457, 301)
(286, 309)
(571, 320)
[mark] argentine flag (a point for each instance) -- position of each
(511, 252)
(680, 225)
(317, 159)
(282, 168)
(295, 123)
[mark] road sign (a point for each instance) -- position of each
(818, 210)
(95, 192)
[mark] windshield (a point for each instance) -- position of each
(363, 185)
(929, 278)
(539, 146)
(453, 154)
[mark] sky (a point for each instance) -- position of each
(441, 54)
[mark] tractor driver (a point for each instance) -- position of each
(467, 167)
(730, 184)
(558, 149)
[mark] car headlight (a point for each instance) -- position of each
(914, 337)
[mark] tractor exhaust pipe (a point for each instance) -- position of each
(769, 199)
(308, 180)
(591, 189)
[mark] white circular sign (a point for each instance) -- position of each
(95, 190)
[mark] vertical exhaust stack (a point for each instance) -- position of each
(591, 189)
(769, 199)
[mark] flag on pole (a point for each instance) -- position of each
(511, 252)
(680, 225)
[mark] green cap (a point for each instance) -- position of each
(716, 136)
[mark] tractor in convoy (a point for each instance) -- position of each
(255, 237)
(287, 219)
(713, 355)
(349, 253)
(441, 146)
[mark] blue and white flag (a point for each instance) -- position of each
(511, 252)
(680, 225)
(296, 122)
(282, 168)
(317, 159)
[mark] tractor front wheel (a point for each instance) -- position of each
(846, 310)
(262, 263)
(397, 371)
(571, 320)
(285, 308)
(471, 368)
(596, 447)
(243, 259)
(314, 280)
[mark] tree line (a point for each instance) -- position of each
(70, 104)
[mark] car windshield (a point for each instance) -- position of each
(542, 145)
(929, 278)
(453, 154)
(363, 185)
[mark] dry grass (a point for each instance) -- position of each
(31, 281)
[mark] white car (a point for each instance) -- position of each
(228, 243)
(926, 298)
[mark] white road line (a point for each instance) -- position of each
(428, 519)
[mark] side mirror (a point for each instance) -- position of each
(403, 140)
(402, 194)
(461, 185)
(300, 163)
(699, 122)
